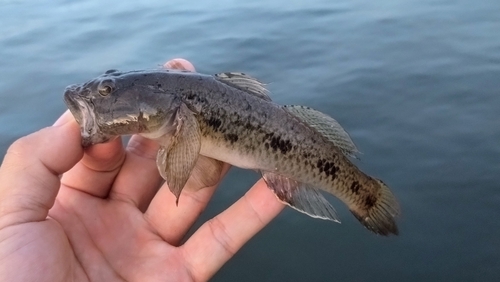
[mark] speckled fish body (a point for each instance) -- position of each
(229, 117)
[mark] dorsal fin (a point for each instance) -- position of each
(244, 82)
(326, 126)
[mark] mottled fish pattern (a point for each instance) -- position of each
(230, 117)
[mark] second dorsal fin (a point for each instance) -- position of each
(244, 82)
(326, 126)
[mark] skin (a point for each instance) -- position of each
(68, 214)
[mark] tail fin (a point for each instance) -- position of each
(379, 217)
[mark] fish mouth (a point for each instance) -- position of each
(83, 111)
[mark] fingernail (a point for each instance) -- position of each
(179, 64)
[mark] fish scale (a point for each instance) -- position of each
(279, 144)
(229, 117)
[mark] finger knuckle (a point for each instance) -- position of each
(20, 147)
(221, 235)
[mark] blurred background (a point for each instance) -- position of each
(416, 83)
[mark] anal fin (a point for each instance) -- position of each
(207, 172)
(300, 196)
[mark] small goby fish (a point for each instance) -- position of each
(230, 117)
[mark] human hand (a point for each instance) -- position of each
(97, 215)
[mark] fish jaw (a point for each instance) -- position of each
(83, 111)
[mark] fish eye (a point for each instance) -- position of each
(105, 87)
(105, 90)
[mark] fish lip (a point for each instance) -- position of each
(82, 109)
(72, 104)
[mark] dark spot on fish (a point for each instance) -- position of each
(267, 136)
(276, 143)
(370, 201)
(279, 144)
(319, 165)
(201, 100)
(327, 167)
(214, 123)
(231, 137)
(248, 126)
(110, 71)
(355, 187)
(331, 171)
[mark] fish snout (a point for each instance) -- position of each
(71, 100)
(78, 102)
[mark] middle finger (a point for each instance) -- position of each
(173, 221)
(139, 179)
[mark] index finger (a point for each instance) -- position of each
(29, 175)
(96, 171)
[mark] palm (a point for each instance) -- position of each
(125, 249)
(111, 230)
(118, 222)
(115, 236)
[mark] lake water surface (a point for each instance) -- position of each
(416, 83)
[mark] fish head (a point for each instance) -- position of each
(117, 103)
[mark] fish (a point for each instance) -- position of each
(230, 117)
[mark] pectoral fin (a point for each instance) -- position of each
(300, 196)
(206, 173)
(176, 160)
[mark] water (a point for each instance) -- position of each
(415, 83)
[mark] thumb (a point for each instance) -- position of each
(29, 174)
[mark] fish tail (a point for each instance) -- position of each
(379, 214)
